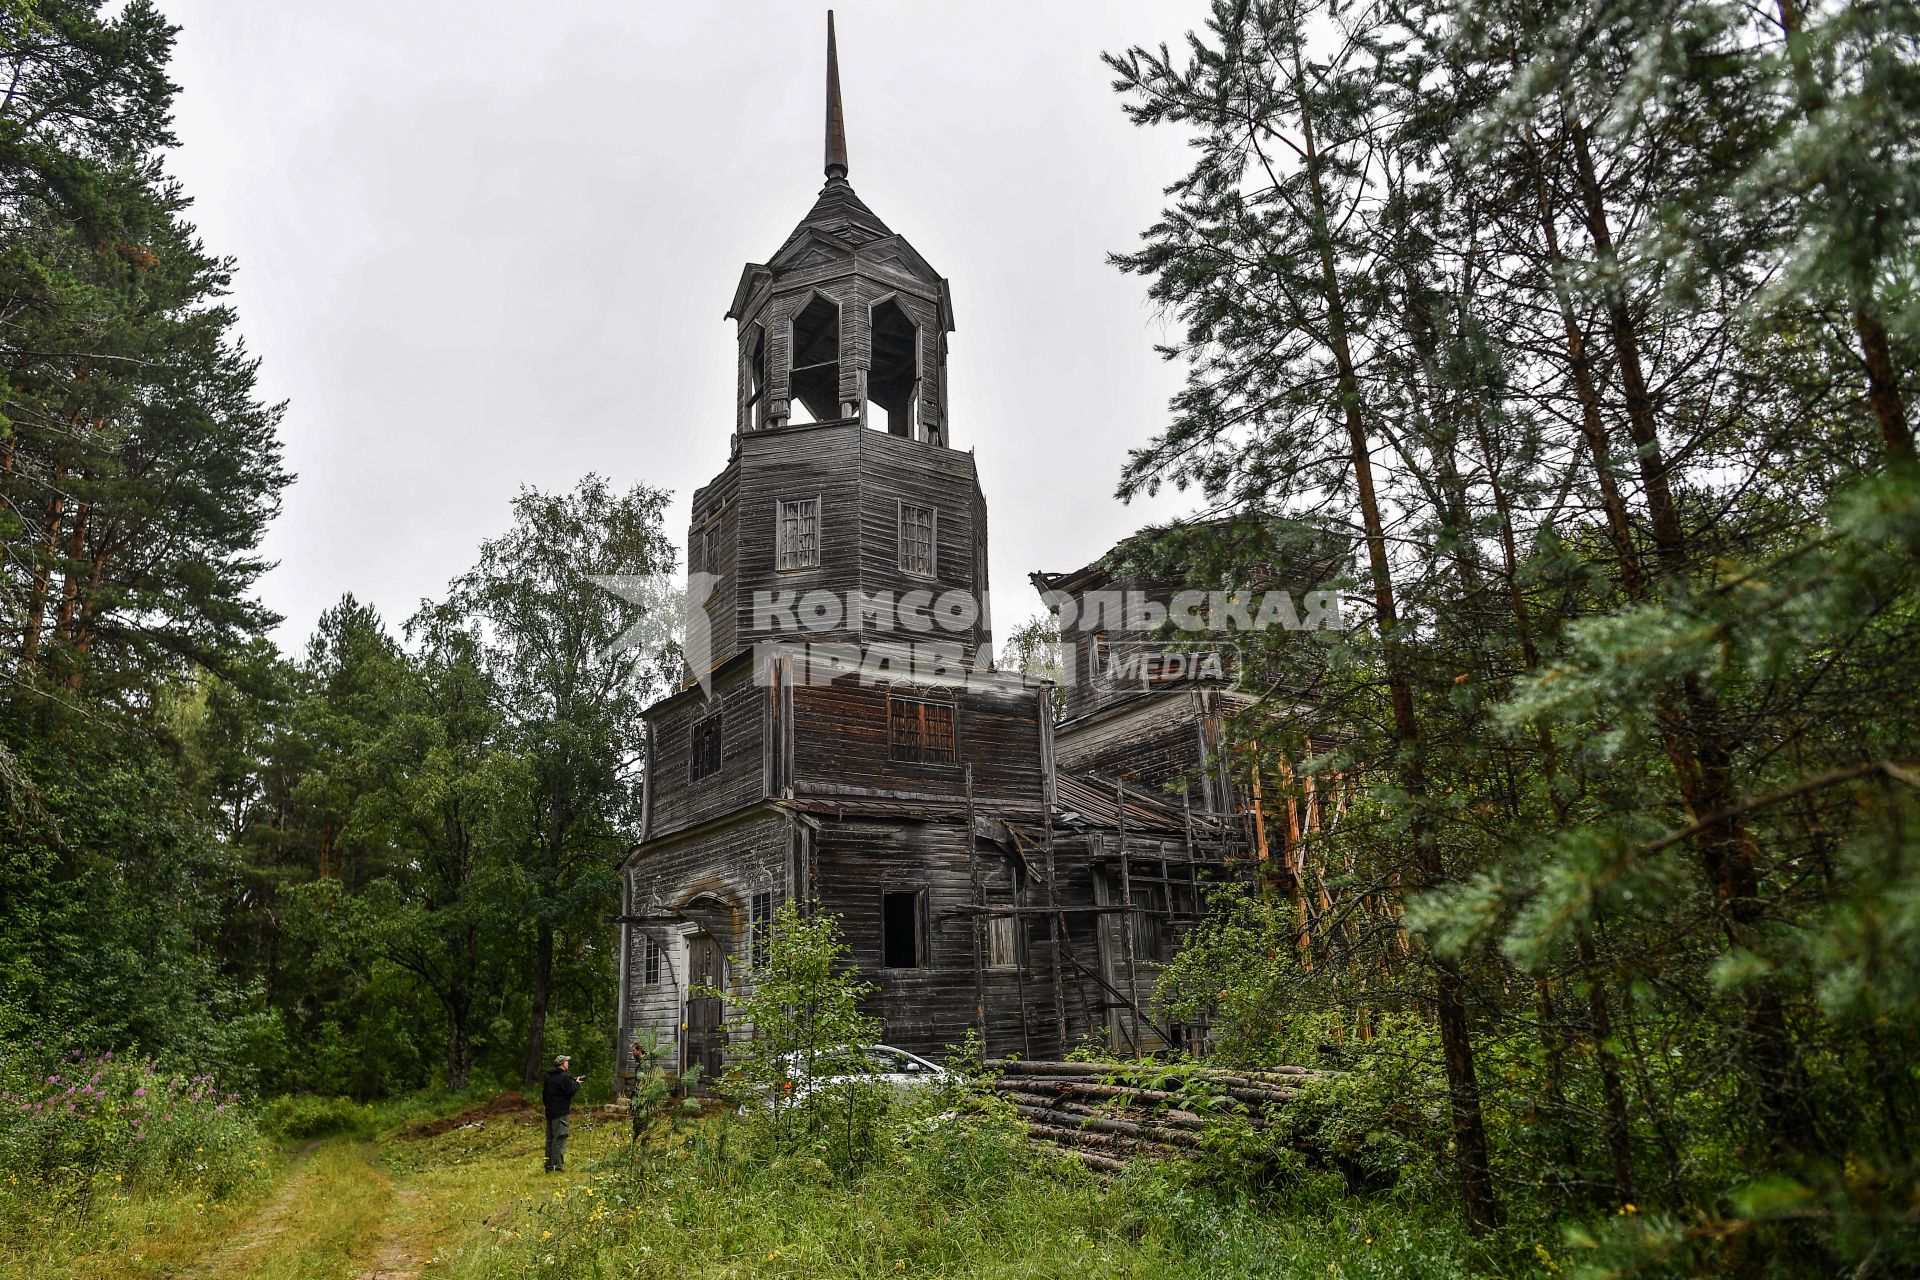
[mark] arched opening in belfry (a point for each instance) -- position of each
(756, 365)
(815, 377)
(893, 382)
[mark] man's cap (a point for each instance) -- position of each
(561, 1060)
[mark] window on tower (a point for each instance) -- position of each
(816, 361)
(917, 547)
(704, 748)
(797, 538)
(893, 382)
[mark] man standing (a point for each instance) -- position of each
(557, 1095)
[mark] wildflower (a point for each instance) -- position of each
(546, 1235)
(140, 1093)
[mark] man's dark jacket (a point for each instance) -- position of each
(557, 1093)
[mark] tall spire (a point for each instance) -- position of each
(836, 123)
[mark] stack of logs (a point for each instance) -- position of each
(1105, 1113)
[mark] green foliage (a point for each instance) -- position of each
(1614, 306)
(306, 1116)
(75, 1127)
(955, 1193)
(807, 1029)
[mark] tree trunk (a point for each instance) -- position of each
(1619, 1134)
(1696, 741)
(542, 993)
(43, 572)
(1463, 1085)
(1876, 351)
(459, 1041)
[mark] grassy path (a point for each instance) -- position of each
(396, 1209)
(412, 1205)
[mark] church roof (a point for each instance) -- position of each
(840, 223)
(841, 214)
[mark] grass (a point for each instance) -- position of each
(941, 1196)
(964, 1199)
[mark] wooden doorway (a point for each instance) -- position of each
(703, 1044)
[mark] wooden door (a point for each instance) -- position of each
(705, 1038)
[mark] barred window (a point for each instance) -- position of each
(798, 542)
(917, 553)
(760, 928)
(704, 755)
(918, 731)
(652, 964)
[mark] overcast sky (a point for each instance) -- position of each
(486, 244)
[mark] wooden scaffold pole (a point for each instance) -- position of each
(1127, 919)
(979, 919)
(1055, 927)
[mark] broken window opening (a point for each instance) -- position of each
(903, 928)
(815, 372)
(797, 536)
(704, 752)
(1098, 655)
(893, 381)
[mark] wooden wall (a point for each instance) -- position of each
(675, 801)
(1153, 740)
(927, 1009)
(840, 740)
(731, 863)
(717, 504)
(860, 476)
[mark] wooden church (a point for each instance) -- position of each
(992, 867)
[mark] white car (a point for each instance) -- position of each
(879, 1065)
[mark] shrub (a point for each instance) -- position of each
(307, 1116)
(78, 1120)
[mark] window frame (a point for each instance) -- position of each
(932, 571)
(950, 706)
(652, 961)
(922, 930)
(1099, 655)
(1010, 926)
(779, 533)
(695, 753)
(760, 911)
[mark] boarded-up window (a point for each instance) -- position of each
(704, 754)
(1000, 942)
(917, 554)
(1098, 654)
(1152, 930)
(903, 932)
(760, 928)
(918, 731)
(652, 961)
(798, 544)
